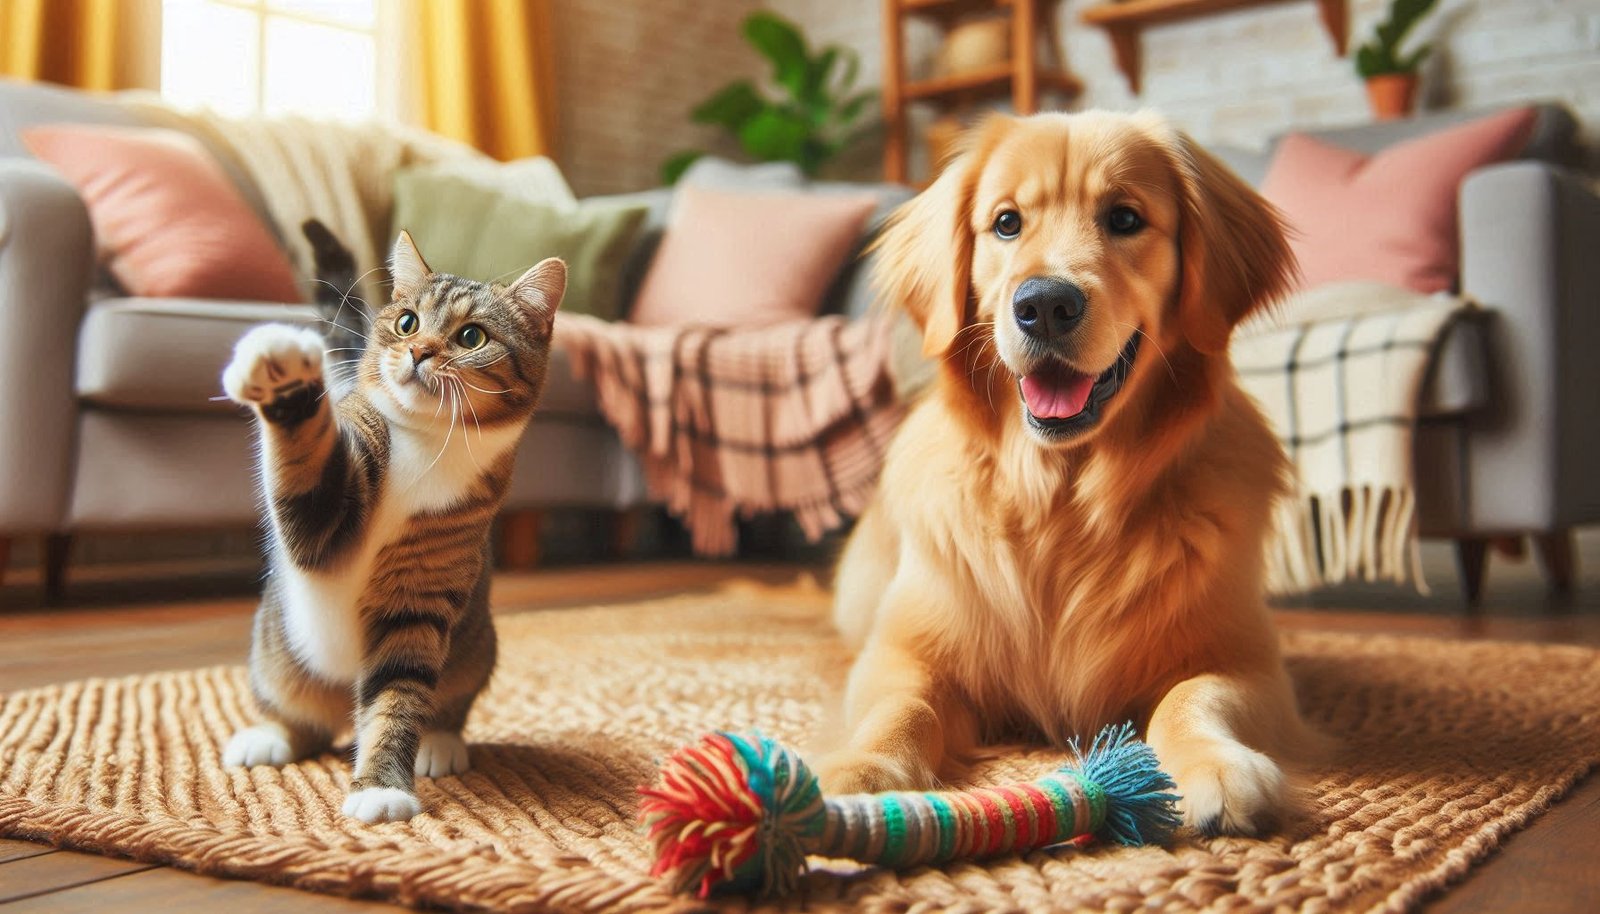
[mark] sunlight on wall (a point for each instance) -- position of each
(239, 57)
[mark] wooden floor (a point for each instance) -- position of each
(113, 628)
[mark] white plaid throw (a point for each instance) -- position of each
(1342, 394)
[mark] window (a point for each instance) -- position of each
(239, 57)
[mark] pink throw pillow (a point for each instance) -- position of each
(748, 259)
(167, 220)
(1389, 217)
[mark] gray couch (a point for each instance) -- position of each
(1509, 444)
(108, 420)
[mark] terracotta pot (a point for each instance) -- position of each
(1392, 95)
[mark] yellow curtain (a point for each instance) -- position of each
(91, 44)
(486, 73)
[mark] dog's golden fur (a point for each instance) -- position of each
(1005, 584)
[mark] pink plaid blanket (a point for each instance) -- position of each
(736, 422)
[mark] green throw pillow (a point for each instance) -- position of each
(470, 230)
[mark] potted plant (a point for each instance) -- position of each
(811, 119)
(1391, 75)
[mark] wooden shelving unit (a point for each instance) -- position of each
(1124, 22)
(1024, 78)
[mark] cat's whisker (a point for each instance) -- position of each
(345, 329)
(465, 438)
(468, 398)
(483, 391)
(450, 430)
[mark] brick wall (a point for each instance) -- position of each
(628, 71)
(1243, 76)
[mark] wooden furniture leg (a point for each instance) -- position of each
(895, 153)
(57, 552)
(5, 556)
(625, 525)
(1558, 556)
(1472, 553)
(519, 539)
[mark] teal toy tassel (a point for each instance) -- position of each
(743, 813)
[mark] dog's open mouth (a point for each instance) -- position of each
(1062, 402)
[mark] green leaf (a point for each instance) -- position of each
(852, 69)
(781, 43)
(775, 135)
(731, 106)
(851, 108)
(678, 163)
(818, 69)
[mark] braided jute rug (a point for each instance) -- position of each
(1448, 748)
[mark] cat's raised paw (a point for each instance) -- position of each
(441, 754)
(275, 363)
(381, 804)
(260, 745)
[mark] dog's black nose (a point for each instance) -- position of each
(1047, 308)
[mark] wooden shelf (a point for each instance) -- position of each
(946, 11)
(991, 81)
(1125, 21)
(1024, 78)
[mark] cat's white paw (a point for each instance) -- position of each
(272, 361)
(381, 804)
(441, 754)
(259, 745)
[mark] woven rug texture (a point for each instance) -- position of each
(1447, 748)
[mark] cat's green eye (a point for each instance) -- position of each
(472, 336)
(407, 323)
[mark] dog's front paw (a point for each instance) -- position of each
(851, 771)
(273, 365)
(1231, 789)
(381, 804)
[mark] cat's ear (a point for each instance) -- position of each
(538, 292)
(407, 268)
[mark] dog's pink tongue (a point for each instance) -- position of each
(1056, 394)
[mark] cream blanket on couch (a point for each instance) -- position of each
(1339, 372)
(342, 174)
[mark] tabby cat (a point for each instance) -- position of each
(375, 611)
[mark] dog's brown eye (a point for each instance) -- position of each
(1008, 224)
(1123, 221)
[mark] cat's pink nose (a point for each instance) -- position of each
(420, 354)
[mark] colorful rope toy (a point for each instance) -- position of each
(742, 813)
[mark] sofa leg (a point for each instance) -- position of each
(1558, 555)
(57, 553)
(1472, 554)
(519, 539)
(625, 526)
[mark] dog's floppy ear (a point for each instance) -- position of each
(1231, 241)
(925, 257)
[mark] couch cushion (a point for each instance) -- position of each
(1553, 137)
(167, 219)
(167, 355)
(1390, 216)
(489, 235)
(748, 259)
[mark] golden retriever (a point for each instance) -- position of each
(1070, 527)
